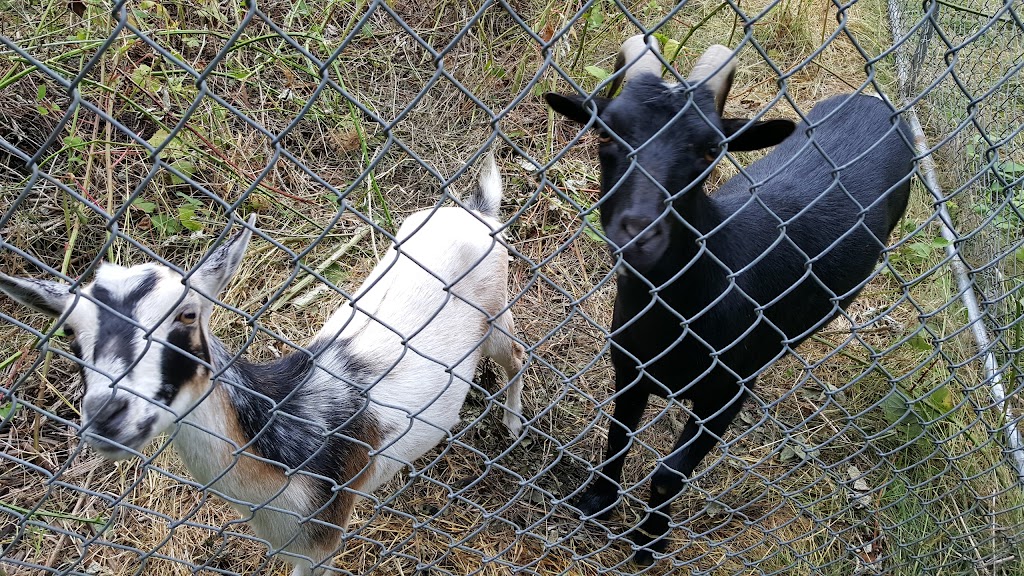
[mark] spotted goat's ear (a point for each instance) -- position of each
(220, 265)
(43, 295)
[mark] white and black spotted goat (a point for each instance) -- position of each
(291, 443)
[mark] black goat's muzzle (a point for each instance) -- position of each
(641, 240)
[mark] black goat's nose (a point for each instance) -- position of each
(640, 228)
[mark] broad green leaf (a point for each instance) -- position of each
(597, 72)
(187, 216)
(921, 341)
(593, 227)
(1011, 167)
(165, 224)
(186, 167)
(144, 205)
(8, 409)
(158, 138)
(941, 400)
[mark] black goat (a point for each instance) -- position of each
(714, 289)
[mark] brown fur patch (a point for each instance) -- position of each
(198, 384)
(356, 469)
(253, 470)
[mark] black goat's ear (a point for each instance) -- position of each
(574, 107)
(757, 135)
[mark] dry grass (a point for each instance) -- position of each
(778, 498)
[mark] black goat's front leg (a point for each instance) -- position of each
(602, 494)
(705, 426)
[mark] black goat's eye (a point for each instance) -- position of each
(604, 138)
(712, 153)
(187, 318)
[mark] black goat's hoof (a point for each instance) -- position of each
(643, 557)
(597, 504)
(647, 546)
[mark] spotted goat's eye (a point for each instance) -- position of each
(69, 332)
(187, 318)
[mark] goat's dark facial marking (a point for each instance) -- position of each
(141, 337)
(184, 361)
(116, 336)
(73, 344)
(142, 351)
(136, 355)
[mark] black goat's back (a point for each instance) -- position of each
(806, 235)
(849, 145)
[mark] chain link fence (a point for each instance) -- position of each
(139, 131)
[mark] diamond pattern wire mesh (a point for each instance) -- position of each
(137, 131)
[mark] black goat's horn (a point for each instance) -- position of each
(715, 69)
(637, 55)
